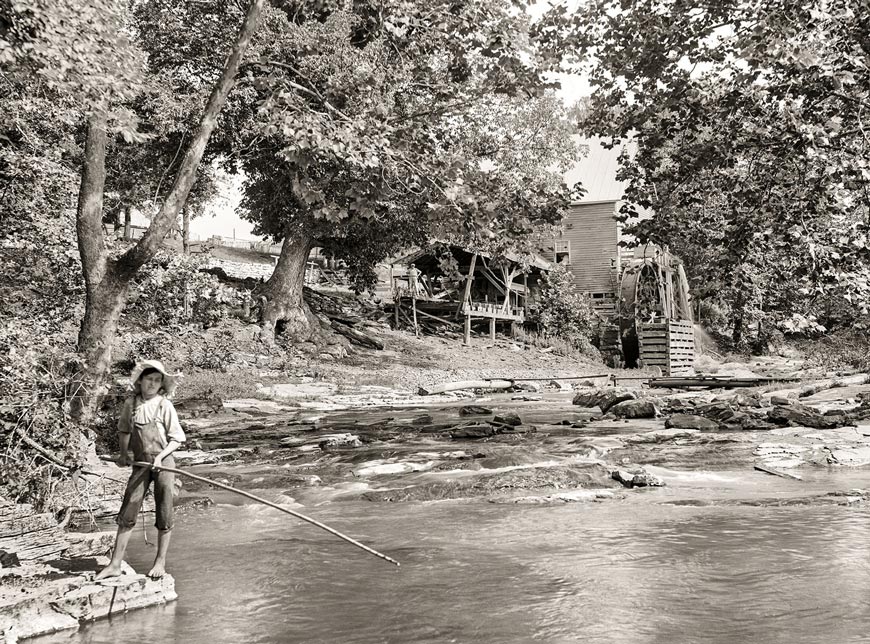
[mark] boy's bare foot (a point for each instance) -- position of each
(157, 570)
(108, 572)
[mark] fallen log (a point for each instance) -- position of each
(356, 337)
(725, 382)
(465, 384)
(831, 383)
(770, 470)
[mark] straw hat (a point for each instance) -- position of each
(169, 379)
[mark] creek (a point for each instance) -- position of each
(719, 555)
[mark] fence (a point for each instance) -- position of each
(247, 244)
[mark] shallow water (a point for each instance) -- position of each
(639, 570)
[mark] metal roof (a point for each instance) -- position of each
(533, 259)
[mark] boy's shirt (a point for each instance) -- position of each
(142, 412)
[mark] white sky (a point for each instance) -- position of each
(220, 217)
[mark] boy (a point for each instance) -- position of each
(149, 426)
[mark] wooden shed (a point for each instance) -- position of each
(450, 284)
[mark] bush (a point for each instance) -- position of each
(565, 313)
(216, 352)
(157, 295)
(200, 383)
(847, 350)
(38, 442)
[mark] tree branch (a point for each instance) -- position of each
(148, 245)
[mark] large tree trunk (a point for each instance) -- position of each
(284, 309)
(107, 281)
(88, 377)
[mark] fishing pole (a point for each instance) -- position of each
(258, 499)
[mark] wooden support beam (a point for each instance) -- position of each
(436, 317)
(525, 293)
(466, 301)
(467, 331)
(492, 328)
(488, 274)
(407, 318)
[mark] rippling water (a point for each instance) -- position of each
(628, 571)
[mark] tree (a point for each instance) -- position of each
(751, 146)
(81, 49)
(380, 129)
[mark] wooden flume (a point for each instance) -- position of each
(258, 499)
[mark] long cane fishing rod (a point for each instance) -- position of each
(258, 499)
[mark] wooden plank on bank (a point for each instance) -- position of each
(465, 384)
(770, 470)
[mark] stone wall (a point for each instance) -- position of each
(242, 270)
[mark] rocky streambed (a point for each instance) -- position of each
(541, 446)
(306, 446)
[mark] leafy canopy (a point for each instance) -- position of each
(751, 145)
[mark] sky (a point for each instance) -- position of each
(221, 216)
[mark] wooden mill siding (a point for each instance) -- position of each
(594, 236)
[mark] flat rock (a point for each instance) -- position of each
(40, 599)
(690, 421)
(852, 456)
(805, 417)
(209, 457)
(517, 429)
(568, 496)
(604, 399)
(473, 430)
(660, 436)
(378, 468)
(509, 418)
(339, 440)
(290, 391)
(641, 478)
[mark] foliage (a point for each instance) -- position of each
(35, 431)
(158, 293)
(747, 141)
(216, 353)
(198, 383)
(564, 312)
(559, 346)
(841, 351)
(41, 291)
(78, 50)
(369, 132)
